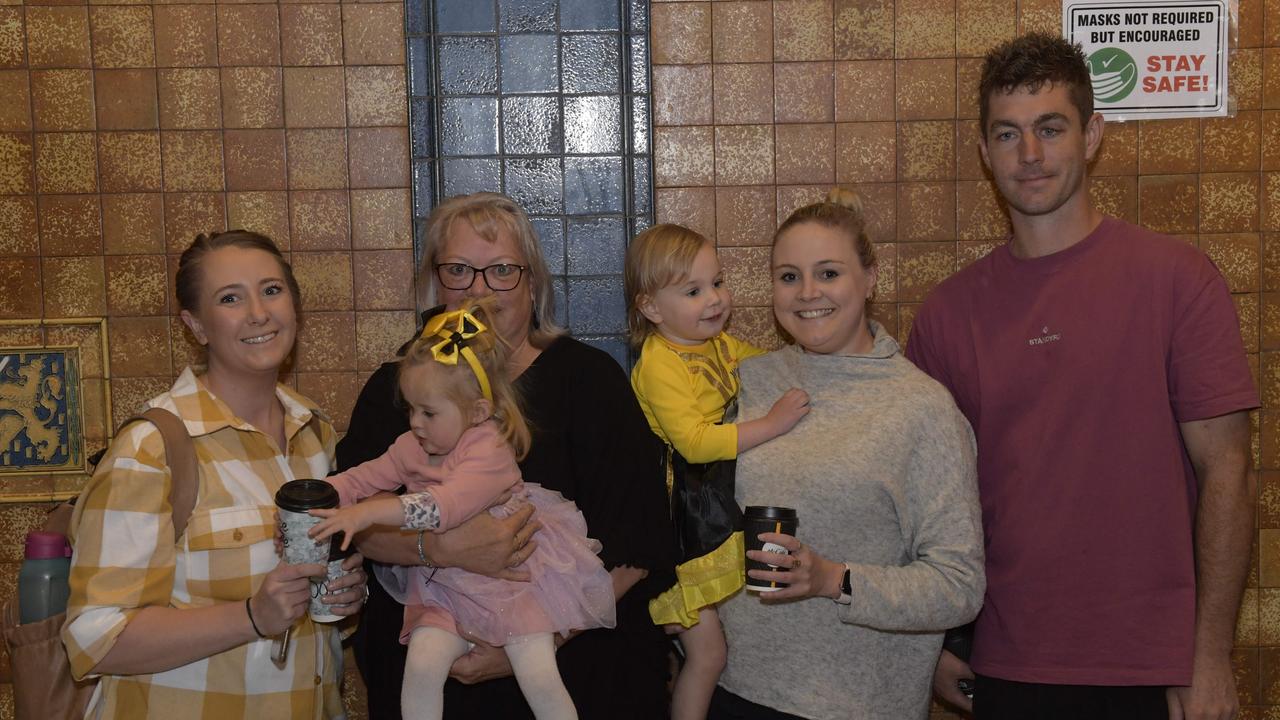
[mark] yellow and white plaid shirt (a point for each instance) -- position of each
(126, 558)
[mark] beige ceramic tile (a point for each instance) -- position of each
(684, 156)
(744, 155)
(802, 29)
(745, 215)
(18, 229)
(132, 223)
(925, 29)
(928, 212)
(380, 219)
(264, 212)
(803, 92)
(864, 90)
(866, 152)
(65, 163)
(70, 225)
(59, 100)
(806, 154)
(743, 31)
(122, 37)
(682, 95)
(863, 29)
(681, 33)
(925, 89)
(129, 161)
(695, 208)
(926, 150)
(742, 93)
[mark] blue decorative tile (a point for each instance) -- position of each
(550, 232)
(419, 240)
(593, 185)
(415, 17)
(596, 246)
(593, 124)
(469, 126)
(596, 305)
(530, 63)
(640, 124)
(559, 288)
(468, 65)
(420, 135)
(420, 66)
(531, 125)
(519, 16)
(589, 15)
(465, 16)
(465, 176)
(637, 16)
(535, 183)
(638, 71)
(591, 63)
(614, 345)
(424, 184)
(641, 186)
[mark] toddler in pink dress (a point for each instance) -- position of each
(457, 459)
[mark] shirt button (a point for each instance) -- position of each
(318, 680)
(237, 535)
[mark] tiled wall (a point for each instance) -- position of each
(762, 105)
(125, 128)
(547, 101)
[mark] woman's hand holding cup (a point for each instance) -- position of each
(348, 593)
(283, 597)
(805, 573)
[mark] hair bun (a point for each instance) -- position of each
(847, 199)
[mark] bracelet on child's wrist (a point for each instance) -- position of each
(249, 611)
(422, 553)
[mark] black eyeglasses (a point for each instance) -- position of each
(461, 276)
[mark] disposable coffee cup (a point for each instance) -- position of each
(762, 519)
(293, 500)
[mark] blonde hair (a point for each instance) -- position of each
(842, 211)
(491, 214)
(462, 386)
(657, 258)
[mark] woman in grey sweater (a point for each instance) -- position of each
(882, 474)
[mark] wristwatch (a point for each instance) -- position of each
(846, 588)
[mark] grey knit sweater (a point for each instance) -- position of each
(882, 474)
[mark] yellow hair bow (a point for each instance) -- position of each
(455, 329)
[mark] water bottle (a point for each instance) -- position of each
(42, 581)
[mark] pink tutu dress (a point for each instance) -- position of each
(569, 587)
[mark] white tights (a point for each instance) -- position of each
(533, 659)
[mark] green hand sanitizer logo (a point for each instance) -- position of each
(1114, 74)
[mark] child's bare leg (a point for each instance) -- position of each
(431, 654)
(705, 654)
(533, 660)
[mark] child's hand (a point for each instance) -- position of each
(348, 521)
(787, 411)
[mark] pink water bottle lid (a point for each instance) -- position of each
(43, 545)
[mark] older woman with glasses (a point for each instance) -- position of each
(590, 443)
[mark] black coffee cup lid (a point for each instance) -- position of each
(770, 512)
(303, 495)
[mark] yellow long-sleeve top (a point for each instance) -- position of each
(684, 389)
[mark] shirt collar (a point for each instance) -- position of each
(203, 412)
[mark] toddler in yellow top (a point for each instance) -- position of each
(685, 379)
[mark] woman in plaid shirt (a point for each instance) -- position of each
(183, 627)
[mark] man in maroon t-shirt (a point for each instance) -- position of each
(1101, 367)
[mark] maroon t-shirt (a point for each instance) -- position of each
(1075, 370)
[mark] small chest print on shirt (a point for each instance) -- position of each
(1045, 337)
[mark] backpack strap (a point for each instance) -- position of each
(180, 455)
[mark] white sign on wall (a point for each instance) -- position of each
(1153, 59)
